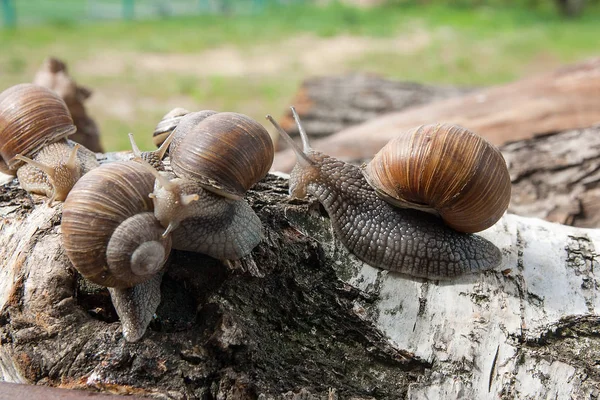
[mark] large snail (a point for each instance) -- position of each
(120, 220)
(403, 239)
(34, 125)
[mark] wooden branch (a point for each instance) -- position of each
(330, 104)
(557, 101)
(303, 317)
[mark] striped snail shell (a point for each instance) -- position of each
(109, 230)
(31, 116)
(445, 170)
(226, 153)
(167, 124)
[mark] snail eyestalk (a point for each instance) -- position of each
(137, 153)
(303, 134)
(61, 177)
(300, 154)
(164, 147)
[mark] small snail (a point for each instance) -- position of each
(34, 125)
(112, 237)
(404, 240)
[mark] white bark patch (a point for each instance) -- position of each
(470, 329)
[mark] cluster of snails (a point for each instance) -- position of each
(121, 219)
(412, 209)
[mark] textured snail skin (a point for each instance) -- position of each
(219, 227)
(401, 240)
(34, 180)
(136, 306)
(222, 228)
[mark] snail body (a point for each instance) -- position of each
(34, 125)
(403, 240)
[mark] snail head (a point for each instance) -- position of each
(307, 165)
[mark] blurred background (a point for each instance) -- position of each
(141, 58)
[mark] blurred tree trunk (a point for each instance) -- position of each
(551, 102)
(571, 8)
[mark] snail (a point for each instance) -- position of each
(121, 219)
(111, 236)
(34, 125)
(403, 240)
(215, 160)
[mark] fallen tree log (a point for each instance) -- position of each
(558, 101)
(303, 318)
(332, 103)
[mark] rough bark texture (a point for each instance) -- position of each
(557, 177)
(561, 100)
(301, 318)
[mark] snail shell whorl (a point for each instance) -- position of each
(30, 117)
(186, 124)
(167, 124)
(226, 152)
(447, 168)
(94, 210)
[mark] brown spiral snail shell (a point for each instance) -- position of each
(34, 125)
(446, 170)
(246, 143)
(109, 230)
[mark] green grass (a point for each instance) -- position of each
(434, 44)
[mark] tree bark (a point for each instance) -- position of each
(301, 318)
(561, 100)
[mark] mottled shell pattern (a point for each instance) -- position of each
(444, 169)
(106, 218)
(30, 117)
(226, 153)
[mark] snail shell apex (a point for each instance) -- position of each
(444, 169)
(94, 210)
(227, 153)
(167, 124)
(31, 116)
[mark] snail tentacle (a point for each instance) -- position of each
(57, 178)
